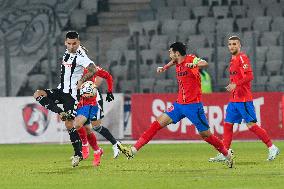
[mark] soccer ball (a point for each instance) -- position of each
(88, 89)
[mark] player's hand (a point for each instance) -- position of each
(79, 83)
(160, 69)
(109, 97)
(231, 87)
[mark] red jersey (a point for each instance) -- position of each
(189, 82)
(100, 73)
(241, 74)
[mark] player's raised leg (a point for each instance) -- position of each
(162, 121)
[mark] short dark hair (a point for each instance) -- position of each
(72, 35)
(180, 47)
(234, 37)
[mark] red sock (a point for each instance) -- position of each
(217, 143)
(262, 134)
(83, 135)
(228, 135)
(93, 141)
(148, 135)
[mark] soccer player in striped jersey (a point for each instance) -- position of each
(91, 110)
(241, 101)
(74, 61)
(188, 103)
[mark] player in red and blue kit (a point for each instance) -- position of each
(241, 102)
(90, 111)
(188, 103)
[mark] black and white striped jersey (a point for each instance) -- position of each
(72, 69)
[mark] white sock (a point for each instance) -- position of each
(271, 147)
(133, 149)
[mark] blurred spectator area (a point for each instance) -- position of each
(35, 32)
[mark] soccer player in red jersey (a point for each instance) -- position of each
(90, 110)
(241, 101)
(188, 103)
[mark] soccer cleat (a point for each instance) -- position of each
(75, 160)
(97, 157)
(66, 115)
(85, 151)
(230, 158)
(116, 150)
(273, 152)
(63, 116)
(126, 150)
(219, 158)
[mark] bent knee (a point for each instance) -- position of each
(250, 124)
(38, 93)
(96, 123)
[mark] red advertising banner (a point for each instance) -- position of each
(147, 107)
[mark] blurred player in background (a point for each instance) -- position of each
(241, 101)
(90, 113)
(74, 61)
(188, 103)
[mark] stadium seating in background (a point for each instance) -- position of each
(239, 11)
(155, 4)
(200, 12)
(196, 23)
(145, 15)
(255, 11)
(275, 83)
(192, 3)
(261, 53)
(91, 6)
(275, 53)
(181, 13)
(244, 24)
(164, 13)
(262, 23)
(78, 19)
(175, 3)
(170, 27)
(205, 53)
(274, 10)
(274, 67)
(207, 25)
(150, 27)
(278, 24)
(220, 11)
(269, 38)
(159, 42)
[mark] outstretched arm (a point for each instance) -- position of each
(165, 67)
(197, 62)
(107, 76)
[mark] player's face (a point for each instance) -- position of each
(234, 46)
(173, 55)
(72, 45)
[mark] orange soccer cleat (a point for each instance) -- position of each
(97, 157)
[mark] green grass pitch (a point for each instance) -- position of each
(39, 166)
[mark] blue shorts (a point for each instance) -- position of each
(92, 113)
(236, 111)
(194, 112)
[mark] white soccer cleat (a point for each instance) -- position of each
(116, 150)
(273, 152)
(230, 158)
(219, 158)
(76, 160)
